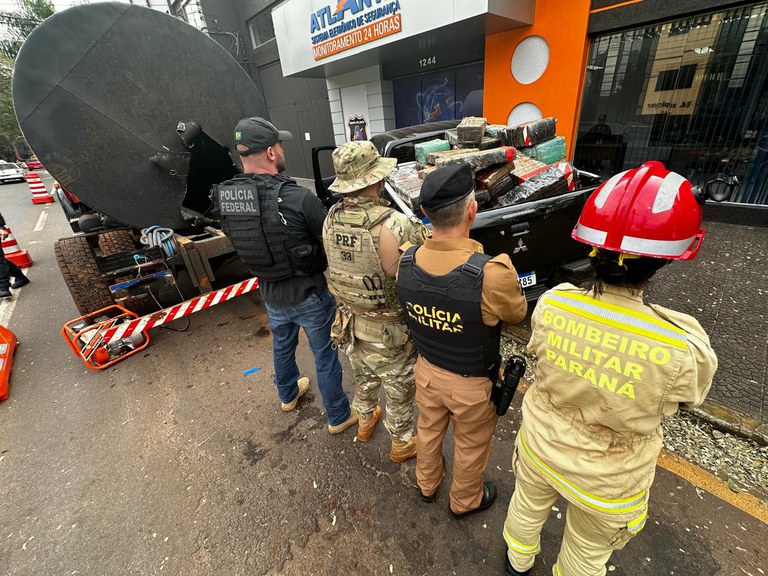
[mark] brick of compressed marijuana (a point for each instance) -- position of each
(546, 184)
(477, 158)
(471, 130)
(530, 133)
(548, 152)
(424, 148)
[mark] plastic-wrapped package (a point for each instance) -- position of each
(424, 170)
(546, 184)
(436, 145)
(406, 182)
(548, 152)
(526, 168)
(434, 157)
(569, 173)
(495, 130)
(471, 130)
(530, 133)
(497, 181)
(478, 158)
(486, 143)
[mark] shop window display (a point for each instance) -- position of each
(692, 93)
(449, 94)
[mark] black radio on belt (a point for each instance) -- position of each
(504, 388)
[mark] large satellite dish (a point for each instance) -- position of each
(100, 89)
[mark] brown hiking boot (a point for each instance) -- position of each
(402, 451)
(366, 427)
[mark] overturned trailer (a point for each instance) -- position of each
(132, 111)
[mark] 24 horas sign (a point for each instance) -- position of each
(352, 23)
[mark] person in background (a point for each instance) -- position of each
(609, 368)
(9, 270)
(456, 298)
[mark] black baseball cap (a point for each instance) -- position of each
(258, 134)
(446, 185)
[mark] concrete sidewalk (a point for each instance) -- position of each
(726, 289)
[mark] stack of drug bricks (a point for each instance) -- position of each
(512, 164)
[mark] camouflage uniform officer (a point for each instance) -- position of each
(362, 237)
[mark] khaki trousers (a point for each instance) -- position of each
(444, 397)
(588, 539)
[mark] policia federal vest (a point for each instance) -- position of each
(249, 215)
(445, 317)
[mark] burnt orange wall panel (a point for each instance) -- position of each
(563, 24)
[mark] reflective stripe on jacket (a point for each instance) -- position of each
(608, 369)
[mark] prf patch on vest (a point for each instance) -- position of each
(348, 244)
(238, 200)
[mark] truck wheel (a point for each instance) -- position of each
(81, 274)
(116, 241)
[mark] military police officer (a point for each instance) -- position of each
(362, 236)
(609, 367)
(455, 298)
(275, 226)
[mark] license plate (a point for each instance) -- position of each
(527, 280)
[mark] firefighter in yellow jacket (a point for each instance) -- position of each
(362, 237)
(609, 368)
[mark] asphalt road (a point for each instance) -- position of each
(175, 462)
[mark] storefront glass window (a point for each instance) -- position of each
(443, 95)
(692, 93)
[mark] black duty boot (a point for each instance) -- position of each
(510, 571)
(20, 281)
(489, 497)
(5, 293)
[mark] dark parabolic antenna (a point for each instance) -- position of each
(111, 97)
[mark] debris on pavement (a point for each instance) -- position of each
(742, 463)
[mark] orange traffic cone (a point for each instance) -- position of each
(40, 194)
(14, 253)
(8, 344)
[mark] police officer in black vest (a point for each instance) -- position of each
(276, 228)
(455, 298)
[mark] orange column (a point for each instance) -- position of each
(557, 92)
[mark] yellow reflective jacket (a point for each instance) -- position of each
(608, 369)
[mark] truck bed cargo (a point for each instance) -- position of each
(535, 234)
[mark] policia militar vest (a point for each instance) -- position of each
(445, 316)
(249, 214)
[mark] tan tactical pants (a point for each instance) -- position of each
(387, 365)
(588, 539)
(444, 397)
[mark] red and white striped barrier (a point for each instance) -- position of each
(40, 194)
(127, 329)
(14, 253)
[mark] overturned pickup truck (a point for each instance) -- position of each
(528, 206)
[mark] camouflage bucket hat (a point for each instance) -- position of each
(357, 165)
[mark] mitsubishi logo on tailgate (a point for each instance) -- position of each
(521, 247)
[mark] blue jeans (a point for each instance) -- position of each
(315, 315)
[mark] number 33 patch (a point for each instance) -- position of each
(347, 256)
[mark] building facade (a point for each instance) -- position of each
(682, 82)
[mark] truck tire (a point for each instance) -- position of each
(81, 274)
(116, 241)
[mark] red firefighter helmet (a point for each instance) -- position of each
(648, 211)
